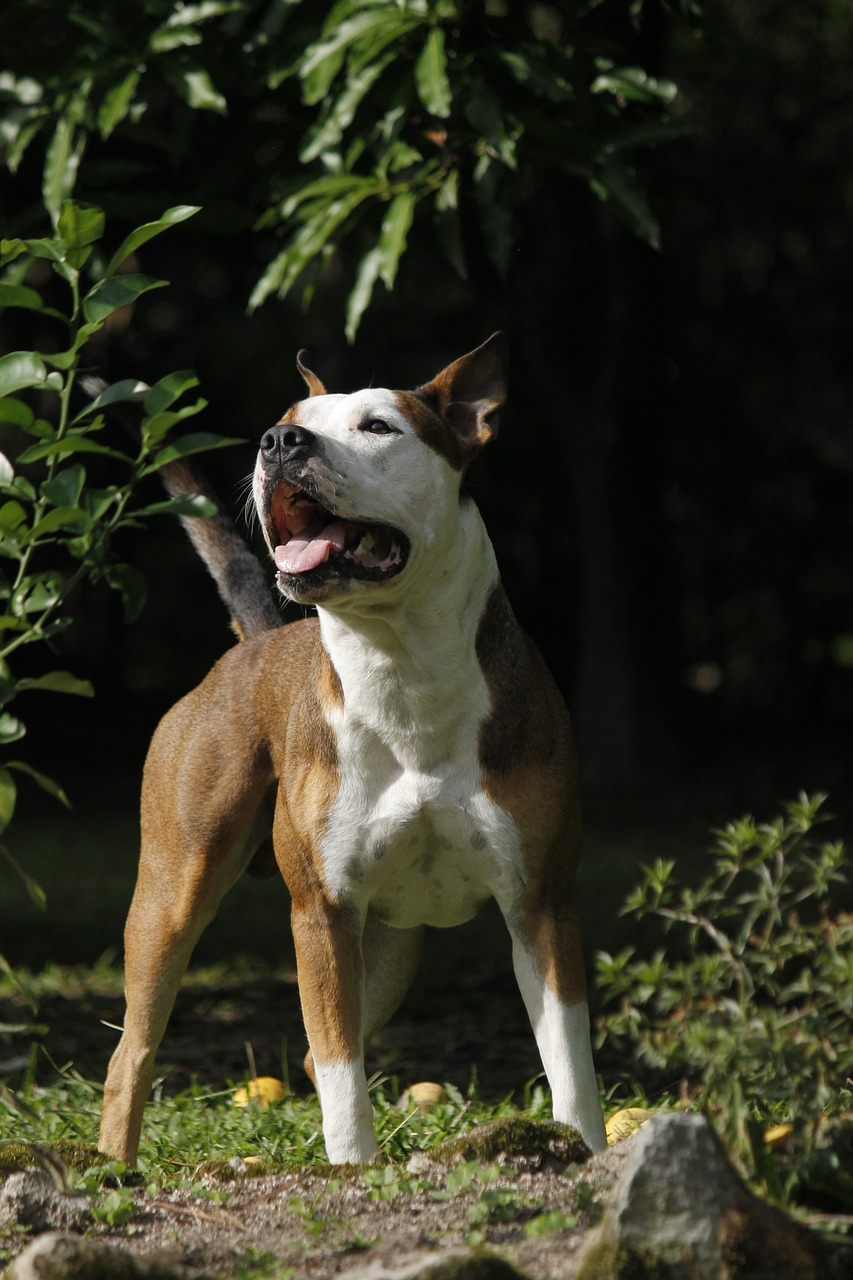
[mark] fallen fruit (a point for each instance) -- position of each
(623, 1123)
(425, 1095)
(265, 1089)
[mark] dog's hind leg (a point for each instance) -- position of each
(548, 965)
(391, 958)
(162, 929)
(204, 812)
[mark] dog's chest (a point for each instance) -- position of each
(412, 835)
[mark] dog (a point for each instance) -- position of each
(407, 748)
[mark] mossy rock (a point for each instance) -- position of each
(226, 1171)
(605, 1260)
(79, 1156)
(532, 1142)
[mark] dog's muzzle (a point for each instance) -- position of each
(312, 544)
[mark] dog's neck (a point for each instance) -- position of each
(408, 660)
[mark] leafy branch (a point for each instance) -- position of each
(57, 524)
(751, 1001)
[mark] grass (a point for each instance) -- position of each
(202, 1129)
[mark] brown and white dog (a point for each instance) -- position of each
(409, 741)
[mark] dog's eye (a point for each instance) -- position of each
(378, 427)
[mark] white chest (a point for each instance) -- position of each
(418, 848)
(412, 836)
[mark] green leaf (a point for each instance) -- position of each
(127, 391)
(172, 217)
(117, 102)
(115, 292)
(18, 295)
(64, 489)
(8, 795)
(155, 429)
(69, 445)
(448, 228)
(195, 442)
(339, 115)
(38, 593)
(12, 515)
(633, 84)
(59, 682)
(187, 15)
(431, 75)
(58, 518)
(495, 218)
(80, 224)
(326, 188)
(16, 411)
(21, 369)
(169, 389)
(197, 89)
(188, 504)
(312, 238)
(51, 250)
(132, 587)
(32, 886)
(42, 780)
(11, 728)
(362, 291)
(617, 183)
(63, 157)
(374, 28)
(392, 238)
(166, 38)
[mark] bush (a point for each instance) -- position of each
(67, 491)
(751, 1002)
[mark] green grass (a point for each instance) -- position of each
(201, 1129)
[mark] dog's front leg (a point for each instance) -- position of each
(330, 969)
(548, 961)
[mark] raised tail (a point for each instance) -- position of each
(232, 564)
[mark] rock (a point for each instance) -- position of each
(439, 1264)
(679, 1211)
(31, 1200)
(67, 1257)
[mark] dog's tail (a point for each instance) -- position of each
(231, 563)
(234, 567)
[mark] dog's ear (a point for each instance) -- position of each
(470, 392)
(314, 384)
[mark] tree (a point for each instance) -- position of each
(482, 133)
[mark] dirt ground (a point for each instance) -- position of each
(534, 1211)
(535, 1214)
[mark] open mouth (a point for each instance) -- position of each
(310, 540)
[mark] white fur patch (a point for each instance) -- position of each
(347, 1112)
(562, 1036)
(412, 835)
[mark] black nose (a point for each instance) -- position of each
(285, 440)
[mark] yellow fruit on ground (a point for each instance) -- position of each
(776, 1135)
(625, 1122)
(265, 1089)
(425, 1095)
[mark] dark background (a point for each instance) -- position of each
(670, 494)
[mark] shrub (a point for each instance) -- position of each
(751, 1001)
(67, 490)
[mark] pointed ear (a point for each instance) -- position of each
(314, 384)
(469, 393)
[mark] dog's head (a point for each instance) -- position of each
(354, 490)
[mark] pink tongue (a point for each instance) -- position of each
(308, 549)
